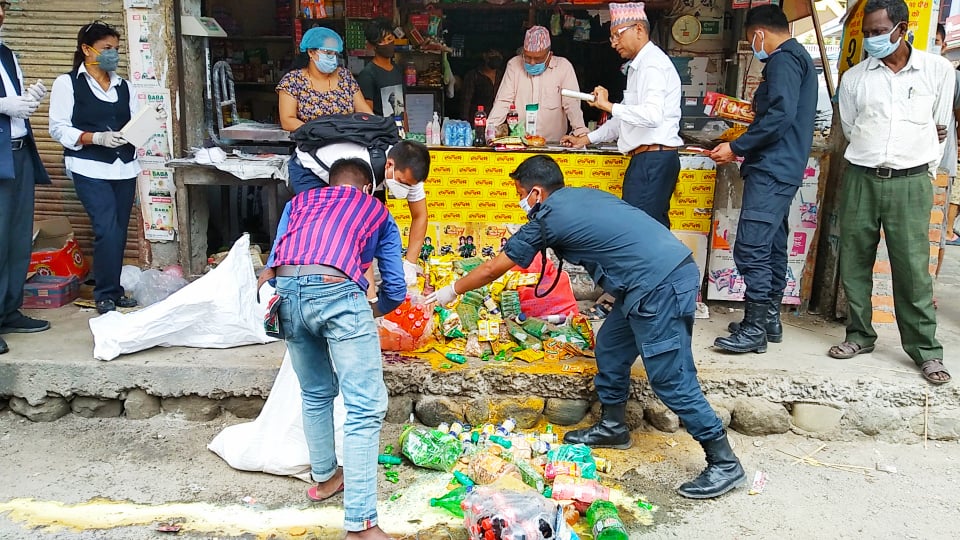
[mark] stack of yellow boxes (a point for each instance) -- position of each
(471, 195)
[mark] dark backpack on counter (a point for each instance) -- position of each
(376, 133)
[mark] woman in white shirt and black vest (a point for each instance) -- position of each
(88, 108)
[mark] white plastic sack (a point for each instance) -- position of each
(274, 443)
(217, 311)
(130, 277)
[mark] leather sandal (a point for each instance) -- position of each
(849, 349)
(930, 367)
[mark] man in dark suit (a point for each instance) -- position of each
(20, 170)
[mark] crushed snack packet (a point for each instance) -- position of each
(448, 323)
(529, 355)
(473, 347)
(582, 325)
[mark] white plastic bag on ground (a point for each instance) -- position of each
(155, 286)
(130, 277)
(217, 311)
(274, 443)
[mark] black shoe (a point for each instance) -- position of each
(722, 474)
(751, 335)
(3, 347)
(610, 432)
(773, 326)
(105, 306)
(125, 302)
(18, 323)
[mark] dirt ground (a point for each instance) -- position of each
(143, 473)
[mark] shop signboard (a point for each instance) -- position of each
(851, 45)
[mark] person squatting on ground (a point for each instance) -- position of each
(327, 239)
(20, 170)
(891, 104)
(775, 149)
(654, 282)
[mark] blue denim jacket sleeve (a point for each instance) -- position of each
(393, 288)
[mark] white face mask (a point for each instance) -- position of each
(398, 190)
(525, 205)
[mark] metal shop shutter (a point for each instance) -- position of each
(43, 35)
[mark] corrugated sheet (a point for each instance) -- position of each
(43, 34)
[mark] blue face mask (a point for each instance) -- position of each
(108, 59)
(326, 63)
(880, 47)
(759, 54)
(535, 69)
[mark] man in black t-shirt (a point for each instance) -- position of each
(381, 81)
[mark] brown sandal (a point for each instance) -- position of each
(849, 349)
(930, 367)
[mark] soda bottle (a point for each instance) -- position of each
(580, 489)
(604, 521)
(480, 127)
(452, 502)
(430, 448)
(513, 120)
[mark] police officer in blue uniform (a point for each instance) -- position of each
(775, 148)
(654, 280)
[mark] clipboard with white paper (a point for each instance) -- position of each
(143, 126)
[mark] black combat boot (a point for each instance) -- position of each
(773, 327)
(722, 474)
(610, 432)
(751, 336)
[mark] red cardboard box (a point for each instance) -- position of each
(55, 251)
(42, 292)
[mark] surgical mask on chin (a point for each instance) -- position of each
(535, 69)
(880, 47)
(398, 190)
(326, 63)
(760, 54)
(108, 60)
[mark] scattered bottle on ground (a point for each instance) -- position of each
(604, 521)
(453, 500)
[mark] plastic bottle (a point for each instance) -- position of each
(513, 120)
(430, 449)
(436, 129)
(605, 522)
(428, 132)
(453, 500)
(463, 479)
(454, 357)
(530, 126)
(480, 127)
(385, 459)
(501, 441)
(580, 489)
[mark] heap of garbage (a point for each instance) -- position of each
(508, 485)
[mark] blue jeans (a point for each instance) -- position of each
(327, 325)
(660, 330)
(760, 251)
(109, 204)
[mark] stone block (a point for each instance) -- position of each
(92, 407)
(243, 406)
(525, 411)
(755, 416)
(635, 415)
(432, 410)
(399, 409)
(661, 417)
(140, 405)
(871, 419)
(816, 418)
(565, 412)
(939, 428)
(193, 408)
(47, 409)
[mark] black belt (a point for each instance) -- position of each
(886, 172)
(18, 144)
(310, 270)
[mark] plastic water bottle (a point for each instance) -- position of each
(436, 129)
(428, 132)
(480, 127)
(605, 522)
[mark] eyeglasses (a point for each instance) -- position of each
(90, 26)
(617, 34)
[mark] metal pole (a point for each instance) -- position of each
(827, 72)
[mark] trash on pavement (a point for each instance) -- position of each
(759, 483)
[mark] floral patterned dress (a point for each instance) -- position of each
(312, 104)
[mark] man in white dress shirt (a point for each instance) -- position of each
(890, 107)
(20, 170)
(646, 125)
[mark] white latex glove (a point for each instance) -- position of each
(18, 106)
(443, 297)
(410, 271)
(37, 91)
(110, 139)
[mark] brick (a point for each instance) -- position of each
(935, 252)
(936, 217)
(883, 317)
(934, 236)
(881, 267)
(882, 301)
(940, 199)
(932, 269)
(941, 181)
